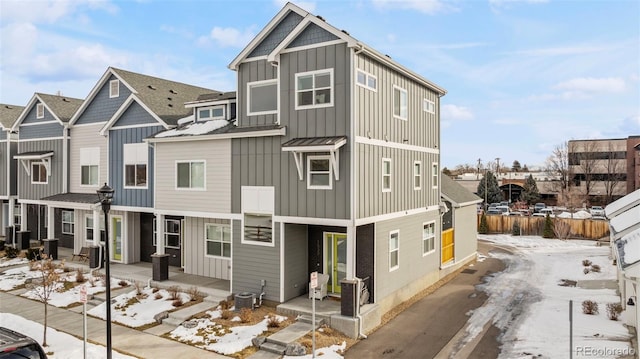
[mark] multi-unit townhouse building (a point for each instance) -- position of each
(8, 179)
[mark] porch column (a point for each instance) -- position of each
(96, 227)
(160, 260)
(351, 252)
(12, 203)
(160, 234)
(23, 216)
(51, 222)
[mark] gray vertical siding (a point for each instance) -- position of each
(250, 72)
(135, 115)
(3, 135)
(102, 108)
(122, 196)
(296, 274)
(131, 240)
(26, 190)
(312, 34)
(254, 263)
(13, 168)
(45, 130)
(271, 41)
(4, 166)
(194, 250)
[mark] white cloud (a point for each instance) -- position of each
(309, 6)
(590, 84)
(561, 51)
(495, 4)
(49, 11)
(228, 37)
(429, 7)
(453, 112)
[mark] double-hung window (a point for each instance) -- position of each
(366, 80)
(417, 175)
(89, 226)
(136, 158)
(89, 162)
(428, 237)
(190, 175)
(211, 113)
(171, 233)
(400, 103)
(429, 106)
(314, 89)
(386, 175)
(218, 240)
(38, 173)
(67, 222)
(394, 250)
(114, 88)
(434, 175)
(319, 172)
(262, 97)
(40, 110)
(17, 216)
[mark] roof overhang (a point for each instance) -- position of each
(298, 146)
(220, 136)
(26, 157)
(34, 100)
(132, 98)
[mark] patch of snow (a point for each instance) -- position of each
(7, 262)
(631, 245)
(330, 352)
(187, 119)
(576, 215)
(195, 128)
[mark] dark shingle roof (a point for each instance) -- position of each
(165, 98)
(62, 106)
(9, 114)
(456, 192)
(217, 96)
(73, 197)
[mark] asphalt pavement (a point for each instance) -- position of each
(432, 327)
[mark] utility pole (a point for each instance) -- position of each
(498, 165)
(478, 173)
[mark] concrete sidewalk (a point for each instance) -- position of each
(125, 340)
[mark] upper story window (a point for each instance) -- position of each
(400, 103)
(366, 80)
(40, 110)
(428, 237)
(190, 175)
(38, 173)
(114, 88)
(136, 158)
(434, 175)
(386, 175)
(211, 113)
(67, 222)
(218, 240)
(319, 172)
(429, 106)
(89, 165)
(417, 175)
(262, 97)
(314, 89)
(394, 250)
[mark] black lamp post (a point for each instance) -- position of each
(105, 195)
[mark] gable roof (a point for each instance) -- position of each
(455, 193)
(622, 204)
(164, 98)
(309, 19)
(9, 114)
(61, 108)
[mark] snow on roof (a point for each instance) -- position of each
(194, 129)
(187, 119)
(614, 207)
(625, 220)
(629, 248)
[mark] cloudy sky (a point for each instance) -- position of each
(522, 76)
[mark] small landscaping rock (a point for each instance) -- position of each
(295, 349)
(161, 316)
(189, 324)
(258, 341)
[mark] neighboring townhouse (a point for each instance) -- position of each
(193, 184)
(459, 229)
(344, 177)
(624, 224)
(107, 146)
(8, 179)
(43, 160)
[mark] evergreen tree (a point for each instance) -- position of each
(530, 194)
(525, 168)
(483, 228)
(516, 166)
(515, 230)
(493, 192)
(547, 232)
(446, 171)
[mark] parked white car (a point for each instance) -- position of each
(596, 211)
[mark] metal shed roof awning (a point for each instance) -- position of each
(298, 146)
(44, 156)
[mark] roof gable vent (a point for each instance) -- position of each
(151, 87)
(173, 91)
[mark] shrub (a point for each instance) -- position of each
(158, 296)
(586, 270)
(174, 292)
(547, 231)
(177, 303)
(272, 321)
(483, 228)
(224, 305)
(614, 310)
(138, 286)
(586, 262)
(123, 283)
(589, 307)
(195, 294)
(226, 314)
(515, 230)
(246, 315)
(80, 276)
(12, 252)
(33, 254)
(595, 268)
(155, 288)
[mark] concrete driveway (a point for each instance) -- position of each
(432, 326)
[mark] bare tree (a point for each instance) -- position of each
(584, 155)
(557, 166)
(612, 178)
(45, 284)
(561, 229)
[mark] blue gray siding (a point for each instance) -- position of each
(254, 263)
(312, 34)
(26, 190)
(13, 167)
(296, 276)
(102, 108)
(32, 118)
(46, 130)
(4, 168)
(3, 135)
(135, 115)
(288, 23)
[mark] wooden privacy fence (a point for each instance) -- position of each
(533, 226)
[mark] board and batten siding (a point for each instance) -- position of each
(465, 233)
(259, 70)
(296, 265)
(260, 161)
(372, 201)
(27, 190)
(4, 166)
(194, 250)
(87, 137)
(415, 271)
(257, 263)
(102, 108)
(216, 198)
(374, 109)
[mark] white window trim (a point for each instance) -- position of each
(429, 106)
(204, 183)
(419, 175)
(90, 185)
(258, 243)
(402, 90)
(206, 225)
(260, 84)
(211, 108)
(125, 164)
(46, 176)
(116, 93)
(391, 269)
(434, 238)
(366, 80)
(331, 86)
(90, 156)
(40, 110)
(166, 238)
(62, 222)
(325, 157)
(390, 175)
(100, 225)
(434, 176)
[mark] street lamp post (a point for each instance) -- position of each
(105, 194)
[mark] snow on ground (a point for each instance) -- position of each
(135, 310)
(529, 306)
(15, 277)
(60, 345)
(7, 262)
(331, 352)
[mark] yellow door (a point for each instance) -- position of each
(116, 238)
(335, 254)
(447, 245)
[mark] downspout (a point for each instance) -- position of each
(65, 159)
